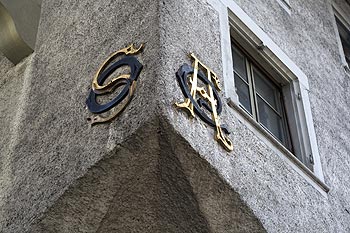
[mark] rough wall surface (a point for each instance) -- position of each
(5, 65)
(308, 37)
(54, 144)
(281, 198)
(154, 182)
(13, 85)
(153, 169)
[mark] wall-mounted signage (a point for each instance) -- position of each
(124, 82)
(200, 86)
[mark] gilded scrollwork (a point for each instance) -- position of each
(127, 83)
(200, 86)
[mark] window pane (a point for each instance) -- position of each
(242, 90)
(239, 64)
(270, 120)
(266, 89)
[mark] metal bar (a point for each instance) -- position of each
(269, 105)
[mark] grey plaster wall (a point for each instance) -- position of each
(154, 182)
(12, 86)
(153, 169)
(5, 65)
(54, 144)
(281, 198)
(308, 38)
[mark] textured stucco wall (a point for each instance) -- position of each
(307, 36)
(54, 144)
(153, 169)
(281, 198)
(12, 87)
(5, 65)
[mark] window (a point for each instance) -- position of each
(260, 96)
(269, 96)
(268, 92)
(342, 27)
(344, 34)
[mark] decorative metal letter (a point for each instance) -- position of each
(127, 81)
(208, 102)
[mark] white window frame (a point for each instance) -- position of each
(232, 16)
(336, 11)
(251, 63)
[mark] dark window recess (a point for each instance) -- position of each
(344, 34)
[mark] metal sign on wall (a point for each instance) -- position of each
(200, 86)
(126, 82)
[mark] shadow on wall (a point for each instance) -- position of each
(154, 182)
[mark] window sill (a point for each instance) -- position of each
(278, 147)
